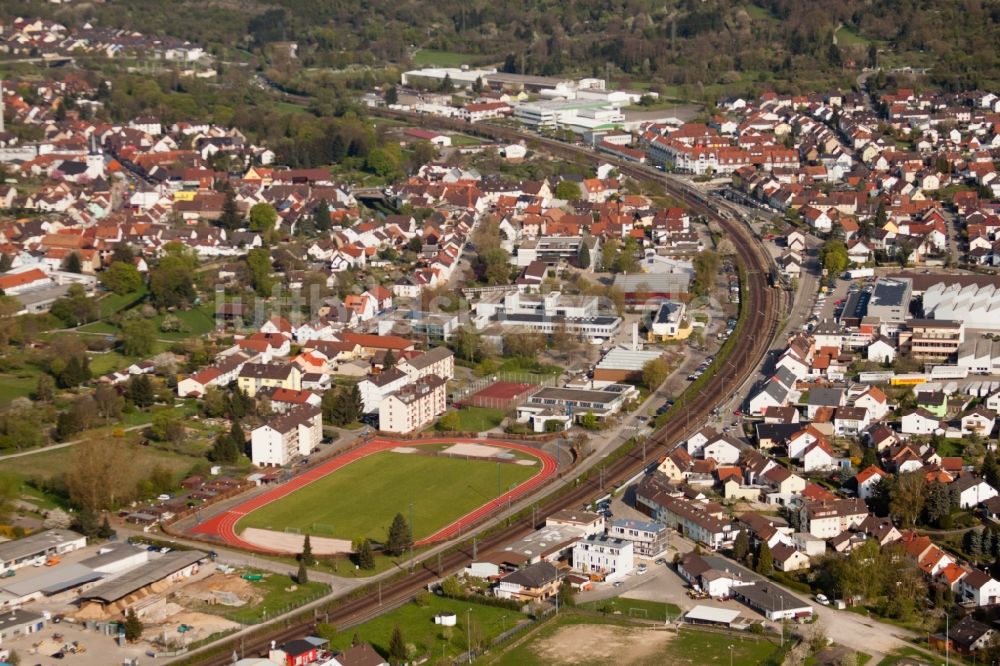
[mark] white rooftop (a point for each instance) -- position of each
(712, 614)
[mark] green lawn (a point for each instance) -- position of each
(278, 598)
(430, 57)
(463, 140)
(112, 303)
(416, 623)
(638, 608)
(288, 107)
(361, 499)
(196, 323)
(479, 419)
(18, 384)
(703, 647)
(100, 328)
(848, 37)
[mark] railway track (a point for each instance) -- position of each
(762, 310)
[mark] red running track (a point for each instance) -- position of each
(224, 524)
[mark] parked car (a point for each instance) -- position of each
(821, 598)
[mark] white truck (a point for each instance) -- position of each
(856, 273)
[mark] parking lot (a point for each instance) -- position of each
(660, 583)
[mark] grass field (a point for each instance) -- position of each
(416, 622)
(848, 37)
(428, 57)
(18, 384)
(584, 640)
(112, 303)
(464, 140)
(361, 499)
(640, 608)
(479, 419)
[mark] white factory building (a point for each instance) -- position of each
(980, 356)
(978, 307)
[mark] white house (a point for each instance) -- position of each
(722, 451)
(817, 455)
(979, 421)
(919, 422)
(867, 479)
(875, 402)
(881, 351)
(979, 588)
(973, 491)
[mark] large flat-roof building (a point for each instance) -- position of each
(622, 364)
(601, 403)
(39, 547)
(890, 300)
(648, 290)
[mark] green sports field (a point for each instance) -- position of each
(361, 499)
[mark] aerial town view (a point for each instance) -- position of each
(519, 333)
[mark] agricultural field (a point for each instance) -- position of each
(361, 499)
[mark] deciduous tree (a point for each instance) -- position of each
(121, 278)
(655, 372)
(137, 337)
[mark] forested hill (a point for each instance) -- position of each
(777, 43)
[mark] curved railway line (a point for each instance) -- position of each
(762, 310)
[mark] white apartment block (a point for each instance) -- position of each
(413, 406)
(282, 439)
(605, 556)
(439, 361)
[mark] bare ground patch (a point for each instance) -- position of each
(601, 644)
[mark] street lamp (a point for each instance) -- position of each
(468, 630)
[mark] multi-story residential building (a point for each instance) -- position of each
(283, 438)
(255, 376)
(932, 339)
(439, 361)
(374, 388)
(689, 518)
(604, 556)
(413, 406)
(828, 518)
(649, 539)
